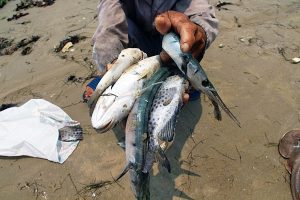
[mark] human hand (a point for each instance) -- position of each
(107, 67)
(192, 36)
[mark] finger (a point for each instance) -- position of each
(165, 58)
(187, 33)
(185, 28)
(162, 23)
(199, 46)
(108, 66)
(185, 98)
(198, 50)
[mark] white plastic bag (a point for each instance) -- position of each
(32, 130)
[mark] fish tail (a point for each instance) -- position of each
(163, 159)
(144, 191)
(146, 186)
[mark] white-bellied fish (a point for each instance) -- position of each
(117, 100)
(134, 156)
(163, 116)
(127, 58)
(195, 74)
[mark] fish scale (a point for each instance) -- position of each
(161, 126)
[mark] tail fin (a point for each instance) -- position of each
(164, 160)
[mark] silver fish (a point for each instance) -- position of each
(127, 58)
(163, 115)
(117, 100)
(134, 156)
(195, 74)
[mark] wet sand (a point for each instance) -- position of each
(209, 159)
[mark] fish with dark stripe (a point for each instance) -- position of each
(197, 77)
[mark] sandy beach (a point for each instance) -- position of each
(210, 160)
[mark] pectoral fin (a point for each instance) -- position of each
(168, 132)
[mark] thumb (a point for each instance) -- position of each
(162, 23)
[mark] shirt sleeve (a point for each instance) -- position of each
(111, 36)
(203, 14)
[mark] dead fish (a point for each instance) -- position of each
(195, 74)
(127, 58)
(163, 116)
(117, 101)
(136, 139)
(289, 147)
(70, 132)
(135, 147)
(134, 155)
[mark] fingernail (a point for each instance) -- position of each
(185, 47)
(159, 16)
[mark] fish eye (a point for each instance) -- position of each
(205, 83)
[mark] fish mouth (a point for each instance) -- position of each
(105, 126)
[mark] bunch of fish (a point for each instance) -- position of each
(151, 96)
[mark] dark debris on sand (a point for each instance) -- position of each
(25, 4)
(220, 5)
(4, 43)
(7, 47)
(17, 16)
(73, 38)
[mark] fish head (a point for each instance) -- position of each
(103, 104)
(132, 53)
(105, 119)
(171, 44)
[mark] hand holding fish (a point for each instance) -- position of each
(193, 37)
